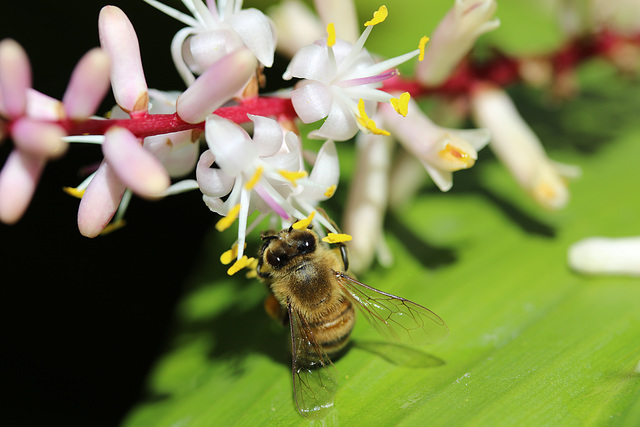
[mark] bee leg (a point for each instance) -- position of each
(274, 309)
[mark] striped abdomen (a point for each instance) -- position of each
(332, 332)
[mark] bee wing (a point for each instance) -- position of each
(395, 318)
(314, 376)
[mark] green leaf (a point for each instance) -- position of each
(531, 342)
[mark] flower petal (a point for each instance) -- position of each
(39, 138)
(267, 135)
(213, 182)
(312, 101)
(88, 86)
(216, 86)
(340, 124)
(18, 180)
(135, 166)
(311, 62)
(100, 201)
(15, 78)
(233, 149)
(118, 38)
(257, 33)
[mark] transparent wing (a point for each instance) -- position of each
(314, 376)
(395, 318)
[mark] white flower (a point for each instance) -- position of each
(441, 151)
(264, 173)
(215, 30)
(601, 255)
(296, 24)
(520, 150)
(341, 82)
(454, 37)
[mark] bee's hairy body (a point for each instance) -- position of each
(301, 273)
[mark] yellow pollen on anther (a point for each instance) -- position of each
(239, 265)
(110, 228)
(378, 16)
(456, 157)
(337, 238)
(330, 191)
(74, 192)
(228, 220)
(252, 268)
(292, 176)
(331, 34)
(230, 255)
(423, 42)
(368, 123)
(304, 223)
(254, 179)
(401, 104)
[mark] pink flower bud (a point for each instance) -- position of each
(100, 202)
(18, 180)
(15, 77)
(88, 85)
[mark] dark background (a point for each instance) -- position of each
(84, 319)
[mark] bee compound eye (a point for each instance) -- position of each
(307, 244)
(277, 259)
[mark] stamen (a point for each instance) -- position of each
(369, 79)
(228, 220)
(401, 104)
(331, 35)
(423, 42)
(337, 238)
(252, 267)
(291, 176)
(254, 179)
(330, 191)
(304, 223)
(230, 255)
(368, 123)
(457, 158)
(239, 265)
(378, 16)
(75, 192)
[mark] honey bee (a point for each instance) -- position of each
(310, 287)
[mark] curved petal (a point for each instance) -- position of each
(136, 167)
(257, 32)
(231, 145)
(324, 175)
(339, 126)
(213, 182)
(206, 48)
(311, 62)
(267, 135)
(177, 44)
(312, 101)
(39, 138)
(290, 160)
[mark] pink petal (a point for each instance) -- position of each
(100, 201)
(38, 138)
(18, 180)
(119, 40)
(223, 80)
(88, 86)
(44, 107)
(15, 77)
(136, 167)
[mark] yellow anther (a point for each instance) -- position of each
(254, 179)
(304, 223)
(331, 34)
(401, 104)
(110, 228)
(330, 191)
(74, 192)
(378, 16)
(228, 220)
(368, 123)
(230, 255)
(457, 158)
(423, 42)
(337, 238)
(239, 265)
(292, 176)
(252, 266)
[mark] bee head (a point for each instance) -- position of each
(281, 248)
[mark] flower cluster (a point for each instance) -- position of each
(243, 150)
